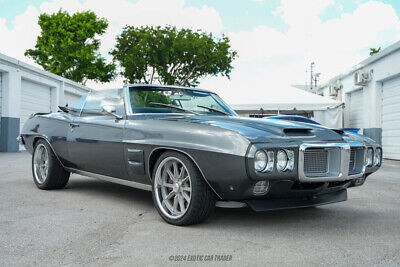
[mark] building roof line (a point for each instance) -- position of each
(371, 59)
(37, 70)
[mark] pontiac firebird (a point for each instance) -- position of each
(193, 152)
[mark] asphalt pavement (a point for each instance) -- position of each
(92, 222)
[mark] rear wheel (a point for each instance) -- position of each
(180, 193)
(47, 171)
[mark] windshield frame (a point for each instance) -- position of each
(128, 105)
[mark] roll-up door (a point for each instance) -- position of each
(356, 109)
(391, 119)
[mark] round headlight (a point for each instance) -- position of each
(368, 160)
(377, 157)
(260, 160)
(281, 160)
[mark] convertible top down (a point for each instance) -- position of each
(193, 152)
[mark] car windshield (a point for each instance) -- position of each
(177, 100)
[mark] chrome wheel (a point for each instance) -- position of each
(173, 187)
(40, 163)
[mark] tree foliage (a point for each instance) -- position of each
(171, 56)
(373, 51)
(67, 46)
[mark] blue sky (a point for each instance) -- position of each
(276, 39)
(236, 15)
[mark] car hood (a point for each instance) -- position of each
(353, 137)
(262, 130)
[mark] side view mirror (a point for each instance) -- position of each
(111, 111)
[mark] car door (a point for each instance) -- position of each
(95, 139)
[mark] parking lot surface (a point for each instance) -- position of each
(92, 222)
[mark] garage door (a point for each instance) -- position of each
(34, 98)
(391, 119)
(71, 98)
(356, 109)
(1, 100)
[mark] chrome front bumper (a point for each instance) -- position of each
(338, 162)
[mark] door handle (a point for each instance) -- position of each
(73, 125)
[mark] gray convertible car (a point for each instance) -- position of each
(194, 153)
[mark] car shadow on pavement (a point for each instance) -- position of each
(330, 216)
(108, 190)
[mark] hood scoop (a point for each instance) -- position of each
(297, 131)
(339, 131)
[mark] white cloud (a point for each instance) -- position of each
(22, 36)
(269, 60)
(298, 14)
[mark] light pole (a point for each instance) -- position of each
(316, 76)
(311, 75)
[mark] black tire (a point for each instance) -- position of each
(202, 201)
(56, 177)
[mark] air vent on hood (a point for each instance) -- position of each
(338, 131)
(297, 131)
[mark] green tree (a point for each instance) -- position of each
(67, 46)
(171, 56)
(373, 51)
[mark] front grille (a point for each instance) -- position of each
(315, 161)
(330, 162)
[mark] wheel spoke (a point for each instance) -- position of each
(185, 179)
(171, 175)
(167, 185)
(42, 154)
(171, 194)
(182, 172)
(42, 172)
(186, 189)
(164, 204)
(176, 170)
(186, 197)
(181, 204)
(175, 206)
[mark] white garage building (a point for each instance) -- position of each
(24, 90)
(371, 92)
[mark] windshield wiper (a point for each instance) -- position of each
(173, 106)
(214, 109)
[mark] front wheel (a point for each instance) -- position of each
(180, 194)
(46, 169)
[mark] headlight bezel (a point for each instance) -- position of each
(260, 153)
(291, 162)
(281, 167)
(377, 158)
(369, 157)
(268, 163)
(274, 174)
